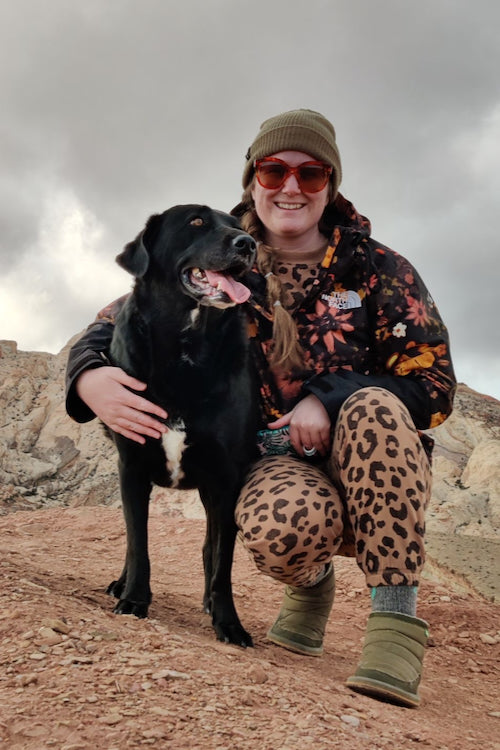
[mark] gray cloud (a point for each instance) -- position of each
(118, 109)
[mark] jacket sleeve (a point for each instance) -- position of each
(91, 350)
(334, 388)
(410, 347)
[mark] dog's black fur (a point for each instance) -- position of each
(188, 341)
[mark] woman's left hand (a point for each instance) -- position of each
(310, 426)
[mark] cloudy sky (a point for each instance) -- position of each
(115, 109)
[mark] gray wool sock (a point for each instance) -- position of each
(402, 599)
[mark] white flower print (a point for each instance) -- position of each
(399, 330)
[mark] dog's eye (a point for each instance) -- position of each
(198, 222)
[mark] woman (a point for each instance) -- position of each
(354, 362)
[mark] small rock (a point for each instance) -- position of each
(103, 635)
(489, 639)
(58, 625)
(160, 711)
(49, 636)
(258, 674)
(35, 731)
(111, 719)
(353, 721)
(37, 656)
(81, 660)
(169, 674)
(413, 736)
(23, 680)
(153, 734)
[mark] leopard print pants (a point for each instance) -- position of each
(367, 501)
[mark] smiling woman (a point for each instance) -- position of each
(352, 363)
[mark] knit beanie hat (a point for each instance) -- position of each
(297, 130)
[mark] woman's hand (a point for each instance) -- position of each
(310, 425)
(105, 390)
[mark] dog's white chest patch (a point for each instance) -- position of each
(174, 444)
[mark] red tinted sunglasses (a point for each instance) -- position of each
(312, 176)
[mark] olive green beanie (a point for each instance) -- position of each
(297, 130)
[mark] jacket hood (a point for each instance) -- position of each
(341, 213)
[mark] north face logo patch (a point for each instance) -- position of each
(342, 300)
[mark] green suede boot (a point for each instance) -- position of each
(300, 625)
(391, 662)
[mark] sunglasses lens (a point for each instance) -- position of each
(312, 178)
(271, 175)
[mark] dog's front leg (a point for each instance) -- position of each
(133, 586)
(207, 569)
(221, 534)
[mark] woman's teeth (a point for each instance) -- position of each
(289, 206)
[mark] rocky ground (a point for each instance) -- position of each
(75, 677)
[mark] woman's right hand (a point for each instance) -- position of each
(105, 390)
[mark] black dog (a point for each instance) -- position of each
(182, 332)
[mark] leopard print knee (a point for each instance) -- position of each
(290, 518)
(384, 476)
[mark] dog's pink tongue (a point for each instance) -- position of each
(234, 289)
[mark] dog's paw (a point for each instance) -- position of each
(115, 589)
(126, 607)
(233, 633)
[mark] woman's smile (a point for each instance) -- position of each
(289, 206)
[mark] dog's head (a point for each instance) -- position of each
(197, 247)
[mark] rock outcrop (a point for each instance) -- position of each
(466, 487)
(47, 459)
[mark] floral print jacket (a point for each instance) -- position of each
(366, 319)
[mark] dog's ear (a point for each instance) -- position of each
(134, 257)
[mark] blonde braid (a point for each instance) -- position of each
(287, 351)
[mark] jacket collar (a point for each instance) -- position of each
(347, 227)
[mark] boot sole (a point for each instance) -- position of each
(383, 691)
(291, 645)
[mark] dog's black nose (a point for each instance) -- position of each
(244, 244)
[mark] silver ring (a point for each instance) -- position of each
(309, 451)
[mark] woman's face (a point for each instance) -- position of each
(290, 217)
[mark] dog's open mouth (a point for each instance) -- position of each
(215, 287)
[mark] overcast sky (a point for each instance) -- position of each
(115, 109)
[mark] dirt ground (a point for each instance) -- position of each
(74, 676)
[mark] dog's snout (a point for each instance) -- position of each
(244, 244)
